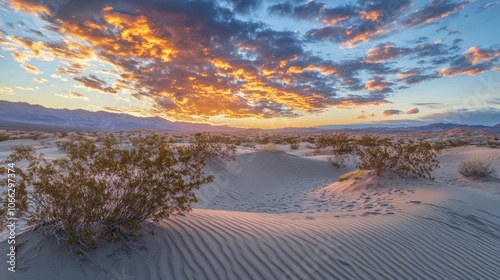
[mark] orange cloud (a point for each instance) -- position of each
(31, 7)
(412, 111)
(447, 72)
(73, 94)
(391, 112)
(194, 65)
(384, 52)
(363, 36)
(141, 38)
(32, 69)
(476, 54)
(372, 15)
(377, 84)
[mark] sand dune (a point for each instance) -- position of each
(450, 160)
(371, 228)
(264, 182)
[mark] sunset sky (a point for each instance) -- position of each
(256, 63)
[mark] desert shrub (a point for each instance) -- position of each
(341, 145)
(215, 146)
(417, 159)
(107, 191)
(439, 146)
(4, 137)
(475, 168)
(270, 148)
(493, 144)
(458, 143)
(294, 146)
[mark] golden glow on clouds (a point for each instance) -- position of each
(30, 7)
(31, 69)
(161, 55)
(136, 31)
(373, 15)
(476, 55)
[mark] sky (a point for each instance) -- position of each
(256, 63)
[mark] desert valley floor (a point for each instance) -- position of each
(271, 215)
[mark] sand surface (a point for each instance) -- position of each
(282, 216)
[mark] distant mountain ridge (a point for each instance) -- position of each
(434, 127)
(24, 115)
(27, 114)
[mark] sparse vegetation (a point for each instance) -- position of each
(106, 191)
(475, 169)
(270, 148)
(371, 152)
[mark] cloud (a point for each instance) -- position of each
(433, 105)
(312, 10)
(31, 69)
(475, 54)
(436, 9)
(485, 116)
(281, 9)
(73, 95)
(378, 84)
(7, 91)
(415, 76)
(28, 88)
(391, 112)
(363, 115)
(72, 68)
(473, 62)
(40, 80)
(412, 111)
(195, 60)
(245, 6)
(432, 49)
(488, 5)
(385, 52)
(351, 25)
(93, 82)
(339, 14)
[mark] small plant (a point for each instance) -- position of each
(475, 169)
(106, 191)
(4, 137)
(417, 159)
(270, 148)
(294, 146)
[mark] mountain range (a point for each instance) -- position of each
(22, 115)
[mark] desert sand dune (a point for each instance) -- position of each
(264, 182)
(451, 158)
(370, 228)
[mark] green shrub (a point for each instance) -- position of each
(475, 168)
(417, 159)
(107, 191)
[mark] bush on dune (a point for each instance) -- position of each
(475, 168)
(417, 159)
(107, 191)
(372, 152)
